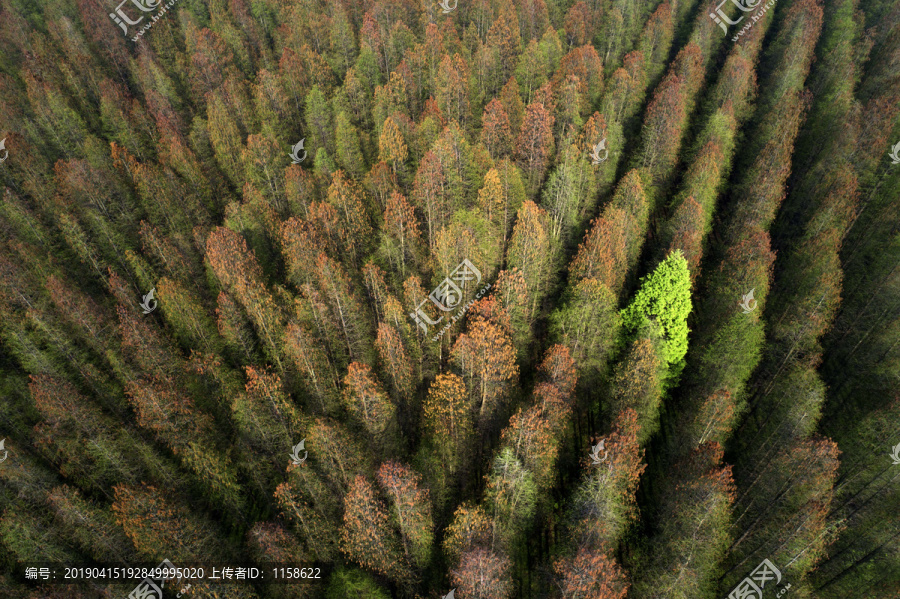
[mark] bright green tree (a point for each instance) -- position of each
(665, 299)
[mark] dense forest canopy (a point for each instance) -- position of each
(494, 299)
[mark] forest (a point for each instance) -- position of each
(461, 299)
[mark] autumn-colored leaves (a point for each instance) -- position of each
(285, 291)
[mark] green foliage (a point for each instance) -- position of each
(588, 324)
(511, 498)
(352, 582)
(317, 302)
(664, 299)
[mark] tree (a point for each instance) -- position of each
(728, 342)
(567, 193)
(342, 39)
(504, 36)
(347, 313)
(427, 130)
(122, 118)
(318, 121)
(313, 364)
(786, 510)
(695, 523)
(69, 418)
(312, 496)
(496, 133)
(558, 368)
(532, 250)
(591, 575)
(501, 197)
(637, 383)
(93, 527)
(486, 359)
(587, 323)
(762, 188)
(349, 583)
(656, 39)
(411, 511)
(712, 420)
(395, 361)
(457, 160)
(274, 108)
(626, 89)
(265, 414)
(664, 298)
(585, 64)
(366, 534)
(534, 145)
(166, 410)
(482, 574)
(511, 499)
(381, 182)
(300, 190)
(159, 525)
(391, 101)
(465, 237)
(686, 231)
(469, 528)
(535, 442)
(511, 99)
(188, 316)
(30, 537)
(613, 245)
(531, 70)
(794, 47)
(391, 146)
(354, 226)
(234, 326)
(272, 542)
(510, 292)
(451, 89)
(448, 419)
(401, 239)
(431, 194)
(667, 115)
(604, 502)
(533, 18)
(239, 272)
(840, 570)
(365, 399)
(349, 150)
